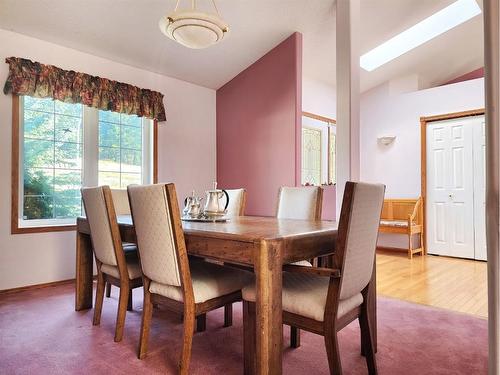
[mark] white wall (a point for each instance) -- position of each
(319, 98)
(186, 153)
(384, 112)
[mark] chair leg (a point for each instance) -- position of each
(294, 337)
(187, 341)
(201, 323)
(228, 315)
(108, 290)
(367, 340)
(332, 351)
(249, 339)
(122, 310)
(129, 302)
(99, 297)
(147, 312)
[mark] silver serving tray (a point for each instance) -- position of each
(204, 219)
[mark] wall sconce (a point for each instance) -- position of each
(386, 140)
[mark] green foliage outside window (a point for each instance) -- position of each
(120, 149)
(53, 156)
(53, 151)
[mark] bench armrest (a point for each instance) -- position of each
(416, 209)
(318, 271)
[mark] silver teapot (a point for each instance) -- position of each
(213, 206)
(192, 206)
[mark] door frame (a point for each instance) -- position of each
(424, 121)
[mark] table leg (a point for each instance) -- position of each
(269, 329)
(83, 274)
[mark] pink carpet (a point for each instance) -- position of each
(40, 333)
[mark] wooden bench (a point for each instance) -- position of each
(404, 216)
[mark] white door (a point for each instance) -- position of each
(479, 146)
(450, 199)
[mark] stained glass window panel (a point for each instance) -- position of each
(311, 156)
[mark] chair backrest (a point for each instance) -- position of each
(120, 201)
(237, 202)
(160, 239)
(101, 216)
(302, 203)
(357, 236)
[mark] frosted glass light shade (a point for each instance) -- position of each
(193, 29)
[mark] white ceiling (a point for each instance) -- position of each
(127, 31)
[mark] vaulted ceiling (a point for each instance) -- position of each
(127, 31)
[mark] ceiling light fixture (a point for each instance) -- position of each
(193, 28)
(437, 24)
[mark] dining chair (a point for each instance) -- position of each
(114, 265)
(325, 300)
(189, 286)
(237, 202)
(122, 207)
(236, 207)
(120, 201)
(300, 203)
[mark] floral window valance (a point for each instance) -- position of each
(47, 81)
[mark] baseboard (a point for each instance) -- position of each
(36, 286)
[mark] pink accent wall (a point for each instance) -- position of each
(329, 208)
(478, 73)
(259, 115)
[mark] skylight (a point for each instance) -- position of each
(437, 24)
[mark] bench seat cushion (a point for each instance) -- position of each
(395, 223)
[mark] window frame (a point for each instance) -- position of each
(16, 169)
(331, 127)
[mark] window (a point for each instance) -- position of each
(63, 147)
(332, 176)
(120, 149)
(311, 156)
(318, 150)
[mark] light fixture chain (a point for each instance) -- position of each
(215, 6)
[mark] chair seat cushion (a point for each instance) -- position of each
(209, 280)
(305, 295)
(394, 223)
(303, 263)
(129, 247)
(134, 268)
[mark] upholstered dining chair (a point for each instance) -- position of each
(114, 266)
(237, 202)
(236, 207)
(120, 201)
(325, 300)
(192, 287)
(300, 203)
(122, 207)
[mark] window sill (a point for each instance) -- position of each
(41, 229)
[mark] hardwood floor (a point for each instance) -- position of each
(449, 283)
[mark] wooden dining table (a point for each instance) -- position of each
(263, 243)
